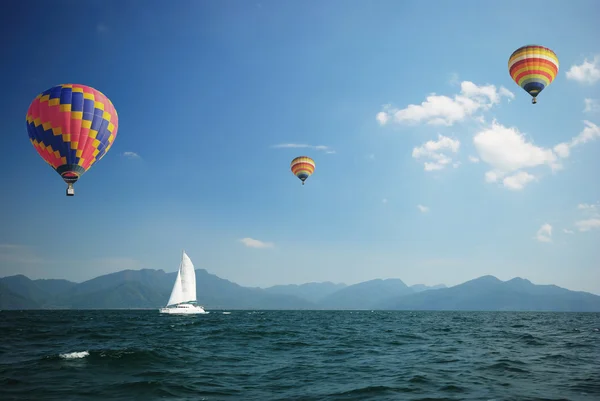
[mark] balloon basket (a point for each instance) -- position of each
(70, 191)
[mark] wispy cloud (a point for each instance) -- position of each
(436, 152)
(131, 155)
(518, 180)
(592, 220)
(588, 207)
(384, 200)
(454, 79)
(321, 148)
(254, 243)
(587, 72)
(591, 105)
(383, 116)
(568, 231)
(588, 224)
(423, 209)
(445, 110)
(590, 132)
(544, 234)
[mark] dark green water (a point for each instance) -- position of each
(299, 355)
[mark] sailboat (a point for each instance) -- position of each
(183, 296)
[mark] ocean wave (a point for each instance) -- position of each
(300, 355)
(74, 355)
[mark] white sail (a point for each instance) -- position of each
(188, 279)
(184, 289)
(176, 294)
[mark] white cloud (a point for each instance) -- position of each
(592, 219)
(436, 151)
(131, 155)
(254, 243)
(591, 105)
(454, 79)
(506, 93)
(518, 181)
(473, 159)
(588, 224)
(589, 133)
(491, 176)
(588, 72)
(444, 110)
(590, 210)
(563, 150)
(587, 207)
(568, 231)
(439, 165)
(506, 150)
(544, 234)
(322, 148)
(382, 118)
(423, 209)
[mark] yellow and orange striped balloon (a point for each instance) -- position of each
(303, 167)
(533, 68)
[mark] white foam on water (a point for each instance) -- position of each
(75, 355)
(227, 313)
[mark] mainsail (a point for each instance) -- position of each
(184, 289)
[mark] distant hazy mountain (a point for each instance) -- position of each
(13, 300)
(24, 288)
(144, 288)
(151, 289)
(313, 292)
(54, 286)
(423, 287)
(365, 295)
(490, 293)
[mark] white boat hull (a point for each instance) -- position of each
(185, 309)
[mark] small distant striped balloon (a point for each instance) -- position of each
(71, 127)
(533, 68)
(303, 167)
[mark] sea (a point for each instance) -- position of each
(298, 355)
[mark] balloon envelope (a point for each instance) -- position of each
(303, 167)
(71, 127)
(533, 68)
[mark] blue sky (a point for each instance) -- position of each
(467, 181)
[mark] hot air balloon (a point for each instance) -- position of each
(303, 167)
(533, 68)
(72, 127)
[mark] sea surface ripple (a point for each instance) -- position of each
(299, 355)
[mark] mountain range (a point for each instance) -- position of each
(146, 288)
